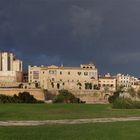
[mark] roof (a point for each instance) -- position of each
(66, 68)
(107, 77)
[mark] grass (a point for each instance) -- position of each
(61, 111)
(98, 131)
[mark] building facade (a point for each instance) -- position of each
(107, 83)
(10, 68)
(125, 80)
(60, 77)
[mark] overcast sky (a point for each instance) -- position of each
(105, 32)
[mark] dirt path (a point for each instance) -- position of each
(75, 121)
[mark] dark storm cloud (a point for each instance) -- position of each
(72, 32)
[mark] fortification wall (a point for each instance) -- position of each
(37, 93)
(88, 95)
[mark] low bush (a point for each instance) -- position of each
(65, 96)
(23, 97)
(125, 103)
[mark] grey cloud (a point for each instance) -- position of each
(84, 21)
(126, 58)
(73, 32)
(48, 60)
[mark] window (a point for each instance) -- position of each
(52, 71)
(79, 73)
(68, 73)
(91, 73)
(35, 74)
(60, 72)
(85, 73)
(52, 85)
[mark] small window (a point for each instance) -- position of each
(68, 73)
(60, 72)
(79, 73)
(85, 73)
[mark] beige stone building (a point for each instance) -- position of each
(34, 74)
(54, 77)
(107, 83)
(10, 69)
(125, 80)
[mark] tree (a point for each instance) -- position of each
(116, 94)
(65, 96)
(25, 97)
(120, 89)
(138, 93)
(132, 92)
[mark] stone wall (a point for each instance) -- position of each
(37, 93)
(89, 96)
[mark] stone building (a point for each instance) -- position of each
(60, 77)
(10, 69)
(107, 83)
(125, 80)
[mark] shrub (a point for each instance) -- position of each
(132, 92)
(5, 99)
(112, 98)
(126, 103)
(138, 94)
(65, 96)
(24, 97)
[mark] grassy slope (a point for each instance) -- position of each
(60, 111)
(99, 131)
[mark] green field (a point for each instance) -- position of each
(61, 111)
(95, 131)
(99, 131)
